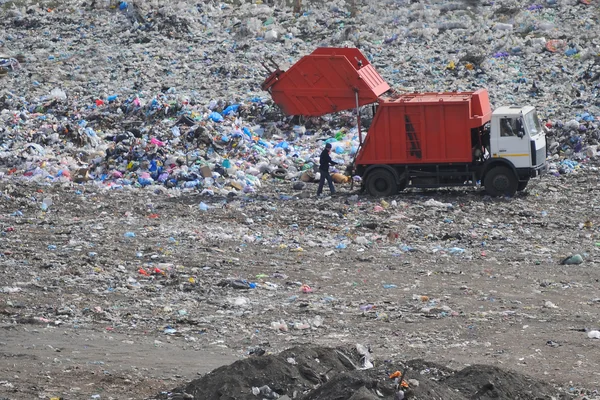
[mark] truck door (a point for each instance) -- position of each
(512, 142)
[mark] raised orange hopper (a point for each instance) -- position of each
(325, 81)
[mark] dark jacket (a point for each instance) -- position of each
(325, 161)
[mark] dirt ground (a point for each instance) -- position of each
(87, 310)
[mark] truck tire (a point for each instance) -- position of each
(279, 173)
(501, 181)
(522, 185)
(381, 183)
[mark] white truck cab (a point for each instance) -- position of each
(517, 136)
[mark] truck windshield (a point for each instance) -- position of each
(533, 123)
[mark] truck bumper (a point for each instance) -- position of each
(538, 170)
(525, 174)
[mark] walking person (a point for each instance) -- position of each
(325, 161)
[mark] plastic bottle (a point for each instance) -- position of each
(503, 27)
(129, 234)
(46, 203)
(456, 250)
(191, 184)
(265, 392)
(594, 334)
(299, 130)
(58, 94)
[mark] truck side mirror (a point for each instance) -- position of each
(520, 129)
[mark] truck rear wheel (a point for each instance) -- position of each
(381, 183)
(501, 181)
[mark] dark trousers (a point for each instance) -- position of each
(325, 175)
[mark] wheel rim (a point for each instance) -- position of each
(381, 185)
(501, 183)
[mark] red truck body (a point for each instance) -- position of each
(425, 128)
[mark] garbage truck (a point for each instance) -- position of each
(418, 140)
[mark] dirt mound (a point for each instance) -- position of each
(489, 382)
(317, 373)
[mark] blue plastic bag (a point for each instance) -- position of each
(231, 109)
(215, 116)
(571, 51)
(284, 145)
(145, 181)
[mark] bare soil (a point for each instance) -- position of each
(80, 319)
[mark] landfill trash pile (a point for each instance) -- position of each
(312, 373)
(142, 93)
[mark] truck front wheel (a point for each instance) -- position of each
(501, 181)
(381, 183)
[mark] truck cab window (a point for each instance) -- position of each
(533, 123)
(508, 127)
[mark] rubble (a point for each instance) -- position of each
(327, 373)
